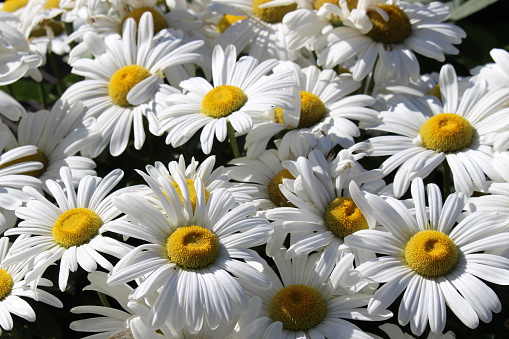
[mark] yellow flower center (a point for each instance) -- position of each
(52, 4)
(272, 15)
(278, 113)
(393, 31)
(159, 21)
(14, 5)
(275, 193)
(222, 101)
(435, 91)
(298, 307)
(38, 156)
(123, 81)
(192, 247)
(6, 284)
(40, 30)
(192, 193)
(76, 227)
(226, 21)
(431, 253)
(446, 132)
(343, 217)
(312, 109)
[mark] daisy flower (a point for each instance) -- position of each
(195, 262)
(300, 305)
(69, 232)
(120, 83)
(495, 74)
(113, 322)
(388, 33)
(240, 95)
(322, 105)
(59, 135)
(459, 130)
(323, 214)
(13, 288)
(433, 259)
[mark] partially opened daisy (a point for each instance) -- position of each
(13, 286)
(432, 259)
(241, 94)
(122, 80)
(460, 130)
(383, 35)
(195, 261)
(302, 305)
(69, 231)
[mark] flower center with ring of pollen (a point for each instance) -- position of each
(38, 156)
(76, 227)
(393, 31)
(271, 15)
(298, 307)
(6, 284)
(343, 217)
(275, 193)
(192, 247)
(123, 81)
(446, 132)
(222, 101)
(431, 253)
(312, 109)
(159, 21)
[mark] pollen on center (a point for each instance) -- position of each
(159, 21)
(446, 132)
(222, 101)
(393, 31)
(343, 217)
(123, 81)
(38, 156)
(275, 193)
(6, 284)
(312, 109)
(272, 15)
(192, 247)
(76, 227)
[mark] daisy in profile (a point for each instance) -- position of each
(59, 136)
(322, 106)
(69, 231)
(194, 262)
(13, 289)
(131, 322)
(432, 259)
(122, 80)
(459, 129)
(383, 35)
(301, 305)
(240, 95)
(321, 214)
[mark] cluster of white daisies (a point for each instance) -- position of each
(321, 220)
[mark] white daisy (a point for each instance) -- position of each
(388, 33)
(112, 322)
(434, 259)
(495, 74)
(323, 214)
(59, 135)
(428, 132)
(193, 260)
(323, 106)
(120, 83)
(12, 287)
(69, 232)
(301, 305)
(240, 95)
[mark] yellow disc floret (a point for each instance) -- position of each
(343, 217)
(159, 21)
(298, 307)
(38, 156)
(123, 81)
(275, 193)
(271, 15)
(393, 31)
(312, 109)
(192, 247)
(446, 132)
(76, 227)
(222, 101)
(14, 5)
(52, 4)
(435, 91)
(192, 193)
(431, 253)
(227, 20)
(6, 284)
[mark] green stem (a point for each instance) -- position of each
(103, 298)
(233, 140)
(56, 72)
(42, 98)
(446, 176)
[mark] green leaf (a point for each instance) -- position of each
(461, 9)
